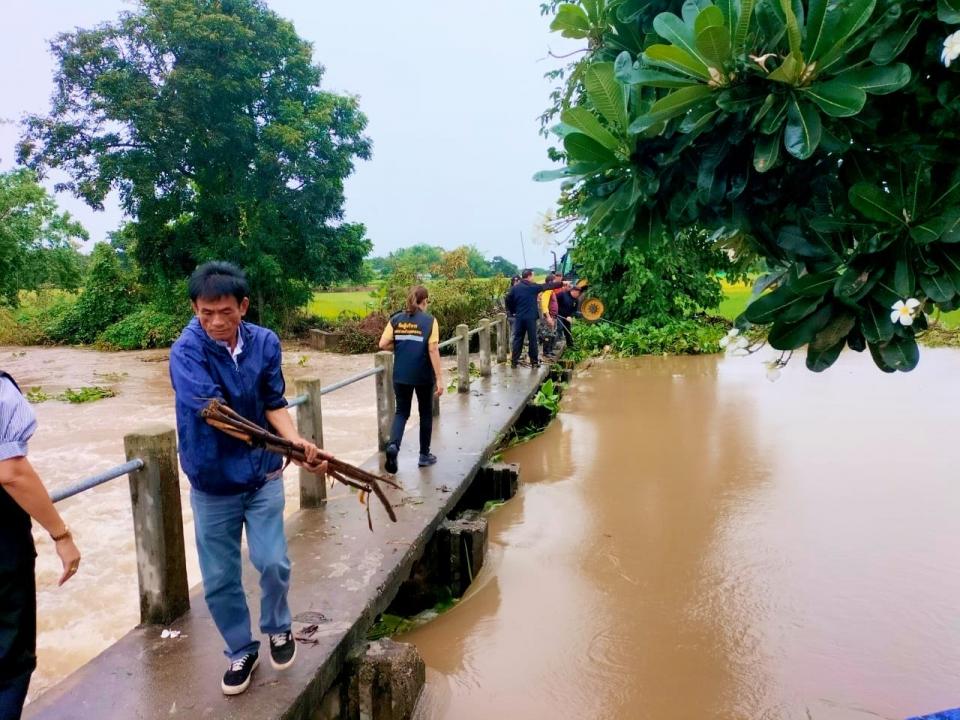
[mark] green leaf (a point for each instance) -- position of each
(903, 278)
(848, 17)
(588, 124)
(774, 119)
(672, 29)
(887, 48)
(791, 336)
(939, 287)
(571, 22)
(711, 16)
(788, 72)
(583, 148)
(819, 359)
(766, 153)
(826, 347)
(675, 58)
(766, 308)
(606, 94)
(714, 45)
(853, 283)
(836, 98)
(814, 284)
(874, 203)
(878, 358)
(876, 324)
(901, 353)
(743, 26)
(929, 231)
(676, 103)
(802, 134)
(948, 11)
(813, 44)
(878, 80)
(794, 36)
(630, 73)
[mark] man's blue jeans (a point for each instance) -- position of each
(219, 520)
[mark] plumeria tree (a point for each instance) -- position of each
(820, 136)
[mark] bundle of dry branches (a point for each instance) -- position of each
(232, 423)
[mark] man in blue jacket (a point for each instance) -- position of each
(233, 486)
(522, 299)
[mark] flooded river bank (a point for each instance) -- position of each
(692, 541)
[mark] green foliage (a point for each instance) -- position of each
(145, 328)
(108, 294)
(686, 336)
(30, 322)
(38, 245)
(37, 395)
(86, 394)
(548, 396)
(453, 301)
(209, 120)
(361, 335)
(818, 137)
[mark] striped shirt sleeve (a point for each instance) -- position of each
(17, 421)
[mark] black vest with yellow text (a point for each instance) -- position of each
(16, 540)
(411, 348)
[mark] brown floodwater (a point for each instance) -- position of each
(100, 604)
(692, 541)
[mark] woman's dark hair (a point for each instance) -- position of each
(218, 279)
(417, 294)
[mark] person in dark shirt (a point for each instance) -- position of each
(509, 305)
(414, 337)
(568, 304)
(524, 301)
(22, 496)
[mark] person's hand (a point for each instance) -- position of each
(316, 459)
(551, 323)
(439, 389)
(69, 556)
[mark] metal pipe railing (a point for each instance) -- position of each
(350, 380)
(92, 482)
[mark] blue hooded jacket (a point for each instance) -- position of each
(201, 369)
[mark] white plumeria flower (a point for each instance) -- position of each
(773, 370)
(729, 337)
(903, 310)
(951, 48)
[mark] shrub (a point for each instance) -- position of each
(108, 294)
(641, 337)
(148, 327)
(361, 336)
(29, 323)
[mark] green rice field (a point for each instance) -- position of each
(329, 305)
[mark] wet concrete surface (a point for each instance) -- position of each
(341, 572)
(691, 541)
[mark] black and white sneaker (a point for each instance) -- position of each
(391, 463)
(283, 650)
(237, 678)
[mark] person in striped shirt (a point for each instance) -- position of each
(22, 497)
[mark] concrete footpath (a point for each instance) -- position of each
(343, 577)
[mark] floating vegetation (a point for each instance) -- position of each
(36, 395)
(112, 377)
(86, 394)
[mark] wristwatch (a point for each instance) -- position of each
(62, 536)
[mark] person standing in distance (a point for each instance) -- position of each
(414, 337)
(22, 496)
(234, 486)
(524, 301)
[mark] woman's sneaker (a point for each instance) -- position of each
(237, 678)
(283, 650)
(428, 459)
(391, 464)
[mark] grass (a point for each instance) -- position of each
(329, 305)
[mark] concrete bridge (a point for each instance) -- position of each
(343, 575)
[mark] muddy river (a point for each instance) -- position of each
(693, 541)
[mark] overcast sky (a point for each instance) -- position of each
(452, 90)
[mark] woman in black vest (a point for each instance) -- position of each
(414, 337)
(22, 496)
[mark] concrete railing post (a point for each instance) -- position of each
(485, 348)
(313, 487)
(503, 338)
(463, 359)
(386, 402)
(158, 524)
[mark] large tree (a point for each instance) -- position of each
(38, 244)
(207, 116)
(821, 136)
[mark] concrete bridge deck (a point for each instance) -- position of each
(343, 577)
